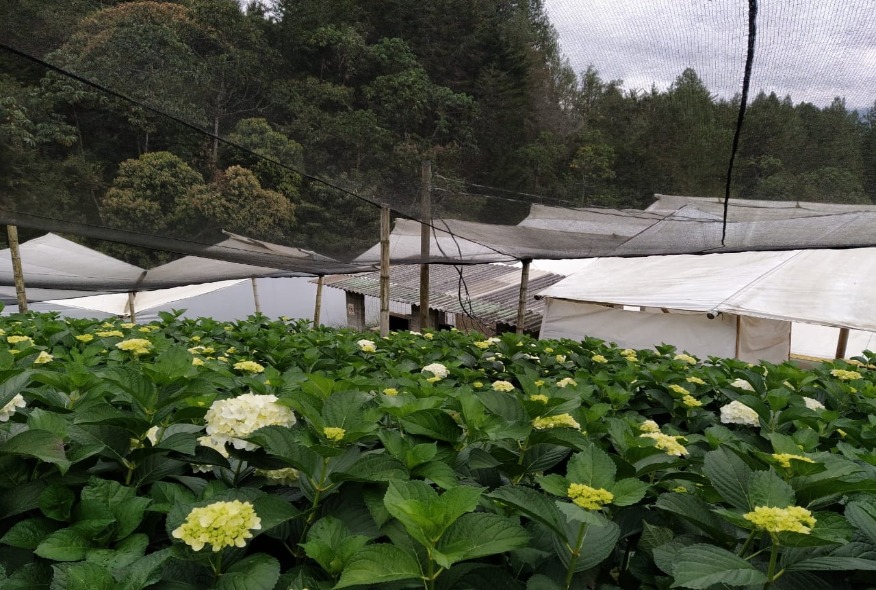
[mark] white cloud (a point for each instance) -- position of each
(813, 50)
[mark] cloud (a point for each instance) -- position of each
(812, 50)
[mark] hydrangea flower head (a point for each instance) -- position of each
(43, 358)
(784, 459)
(367, 345)
(560, 358)
(390, 391)
(482, 344)
(85, 337)
(589, 498)
(695, 380)
(685, 358)
(230, 420)
(503, 386)
(11, 407)
(629, 354)
(742, 384)
(840, 374)
(135, 346)
(249, 367)
(795, 519)
(738, 413)
(691, 402)
(649, 426)
(558, 421)
(678, 389)
(539, 397)
(565, 381)
(18, 339)
(437, 370)
(334, 433)
(813, 404)
(598, 358)
(667, 443)
(284, 477)
(111, 334)
(220, 524)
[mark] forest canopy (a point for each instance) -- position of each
(357, 94)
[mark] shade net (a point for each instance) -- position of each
(271, 135)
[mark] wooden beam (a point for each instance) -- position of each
(425, 239)
(384, 270)
(317, 308)
(17, 272)
(255, 295)
(842, 343)
(521, 303)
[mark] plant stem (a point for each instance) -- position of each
(573, 560)
(746, 544)
(774, 553)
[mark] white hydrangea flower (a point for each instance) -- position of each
(813, 404)
(738, 413)
(231, 420)
(742, 384)
(437, 369)
(11, 407)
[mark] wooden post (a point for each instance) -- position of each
(255, 295)
(841, 343)
(131, 313)
(521, 303)
(425, 239)
(384, 270)
(17, 272)
(318, 307)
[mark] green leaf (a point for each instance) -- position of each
(503, 404)
(273, 511)
(330, 544)
(370, 468)
(28, 534)
(862, 514)
(40, 444)
(144, 571)
(768, 489)
(653, 537)
(12, 382)
(379, 564)
(695, 512)
(83, 576)
(533, 505)
(255, 572)
(700, 566)
(420, 454)
(593, 467)
(628, 491)
(108, 499)
(64, 545)
(344, 408)
(597, 544)
(730, 477)
(56, 502)
(439, 472)
(833, 563)
(554, 484)
(478, 535)
(432, 423)
(281, 442)
(541, 457)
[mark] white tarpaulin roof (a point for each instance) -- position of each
(828, 287)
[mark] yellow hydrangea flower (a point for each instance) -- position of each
(560, 358)
(334, 433)
(695, 380)
(127, 325)
(565, 381)
(598, 358)
(249, 367)
(428, 335)
(11, 407)
(589, 498)
(844, 375)
(795, 519)
(784, 459)
(136, 346)
(17, 339)
(111, 334)
(686, 358)
(691, 402)
(539, 397)
(198, 362)
(43, 358)
(477, 385)
(678, 389)
(286, 476)
(649, 426)
(367, 346)
(85, 337)
(390, 391)
(503, 386)
(667, 443)
(539, 382)
(482, 344)
(221, 524)
(558, 421)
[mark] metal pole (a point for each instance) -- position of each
(255, 295)
(425, 239)
(521, 303)
(17, 272)
(384, 270)
(318, 307)
(841, 343)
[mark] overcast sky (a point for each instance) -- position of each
(813, 50)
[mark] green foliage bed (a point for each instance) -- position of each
(192, 454)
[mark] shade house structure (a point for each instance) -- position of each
(740, 305)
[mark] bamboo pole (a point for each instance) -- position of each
(255, 295)
(17, 272)
(521, 303)
(425, 239)
(384, 270)
(318, 307)
(842, 343)
(130, 306)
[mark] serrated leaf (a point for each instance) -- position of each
(379, 564)
(345, 408)
(478, 535)
(64, 545)
(254, 572)
(862, 514)
(432, 423)
(330, 544)
(730, 477)
(695, 512)
(653, 537)
(768, 489)
(700, 566)
(504, 405)
(596, 545)
(593, 467)
(833, 563)
(83, 576)
(28, 534)
(533, 505)
(108, 499)
(628, 491)
(370, 468)
(56, 502)
(144, 571)
(40, 444)
(541, 457)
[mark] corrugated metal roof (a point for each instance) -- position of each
(489, 292)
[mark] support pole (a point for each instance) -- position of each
(521, 303)
(384, 270)
(17, 272)
(131, 314)
(425, 239)
(255, 295)
(841, 343)
(318, 307)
